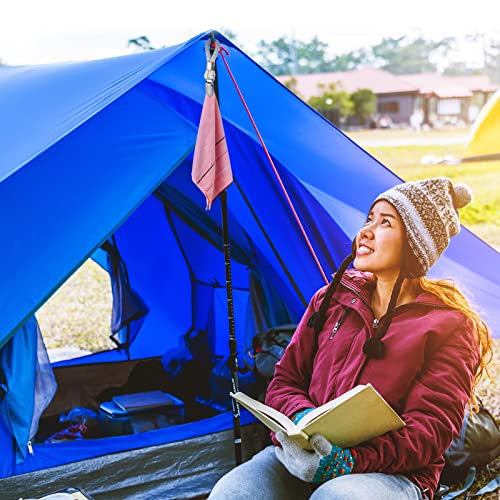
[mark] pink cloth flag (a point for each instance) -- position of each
(211, 166)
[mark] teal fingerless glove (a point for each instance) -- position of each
(296, 417)
(338, 463)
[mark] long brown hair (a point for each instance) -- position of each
(449, 293)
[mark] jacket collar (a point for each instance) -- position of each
(361, 283)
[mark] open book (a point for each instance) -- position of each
(356, 416)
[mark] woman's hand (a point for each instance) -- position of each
(326, 461)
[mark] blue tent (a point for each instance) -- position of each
(100, 151)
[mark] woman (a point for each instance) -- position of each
(417, 341)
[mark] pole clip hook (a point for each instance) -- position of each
(212, 48)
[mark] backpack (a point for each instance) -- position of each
(267, 349)
(477, 444)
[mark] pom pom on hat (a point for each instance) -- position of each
(463, 195)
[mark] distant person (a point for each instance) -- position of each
(416, 120)
(416, 340)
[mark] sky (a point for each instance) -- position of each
(44, 31)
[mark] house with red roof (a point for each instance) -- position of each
(414, 99)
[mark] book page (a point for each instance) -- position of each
(317, 412)
(362, 416)
(272, 418)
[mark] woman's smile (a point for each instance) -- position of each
(364, 250)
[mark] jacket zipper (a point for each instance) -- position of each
(338, 323)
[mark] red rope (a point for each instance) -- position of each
(222, 49)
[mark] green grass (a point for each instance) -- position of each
(433, 134)
(79, 313)
(482, 216)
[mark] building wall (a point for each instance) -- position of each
(398, 107)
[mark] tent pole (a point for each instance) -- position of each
(233, 357)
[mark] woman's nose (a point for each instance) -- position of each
(366, 231)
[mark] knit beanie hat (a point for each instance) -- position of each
(429, 211)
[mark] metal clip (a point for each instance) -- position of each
(211, 55)
(210, 78)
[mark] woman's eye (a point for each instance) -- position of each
(386, 221)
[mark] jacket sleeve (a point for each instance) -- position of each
(433, 411)
(288, 390)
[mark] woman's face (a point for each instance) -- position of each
(379, 243)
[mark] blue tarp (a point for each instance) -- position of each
(92, 149)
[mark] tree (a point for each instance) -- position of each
(364, 103)
(287, 56)
(231, 35)
(460, 69)
(332, 99)
(400, 55)
(142, 42)
(291, 84)
(350, 60)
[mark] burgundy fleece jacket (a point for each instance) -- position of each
(431, 355)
